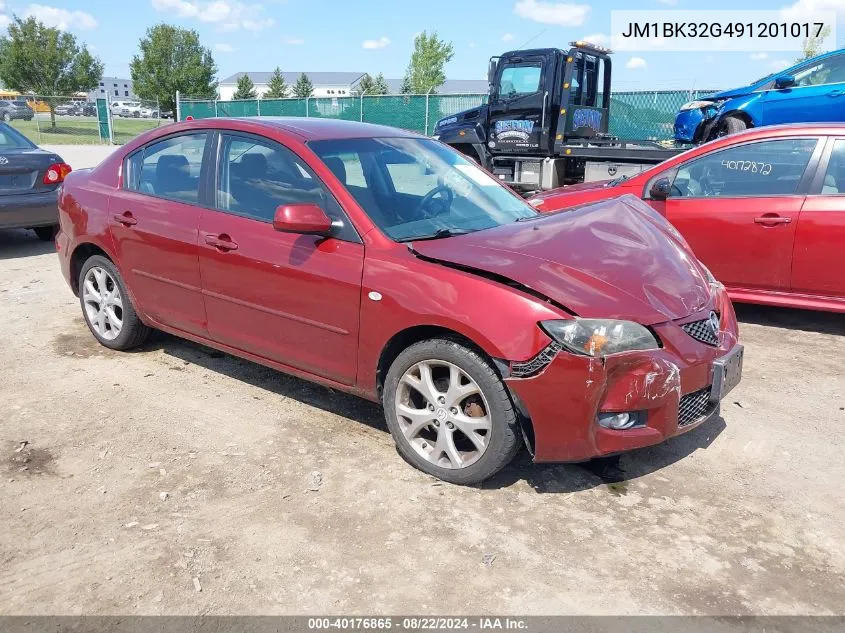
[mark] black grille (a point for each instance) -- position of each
(694, 406)
(702, 331)
(534, 365)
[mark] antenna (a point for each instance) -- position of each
(531, 39)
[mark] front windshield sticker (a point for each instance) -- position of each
(514, 129)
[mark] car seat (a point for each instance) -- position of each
(172, 175)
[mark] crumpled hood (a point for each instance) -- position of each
(614, 259)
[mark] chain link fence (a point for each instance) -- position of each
(62, 120)
(633, 114)
(417, 113)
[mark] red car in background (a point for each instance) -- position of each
(387, 265)
(763, 209)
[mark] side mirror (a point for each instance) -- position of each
(660, 189)
(491, 70)
(305, 218)
(784, 81)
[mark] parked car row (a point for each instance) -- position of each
(388, 265)
(77, 108)
(134, 109)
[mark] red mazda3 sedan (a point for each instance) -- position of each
(385, 264)
(763, 209)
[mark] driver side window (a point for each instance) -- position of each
(520, 80)
(766, 168)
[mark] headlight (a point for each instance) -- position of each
(695, 105)
(600, 337)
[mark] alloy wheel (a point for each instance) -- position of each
(103, 303)
(443, 414)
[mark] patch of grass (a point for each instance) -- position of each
(71, 130)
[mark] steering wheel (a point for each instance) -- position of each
(428, 200)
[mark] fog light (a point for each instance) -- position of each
(618, 421)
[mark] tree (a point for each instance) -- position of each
(366, 86)
(43, 60)
(246, 89)
(406, 87)
(172, 59)
(812, 45)
(431, 54)
(303, 87)
(380, 86)
(276, 87)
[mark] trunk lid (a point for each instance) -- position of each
(614, 259)
(22, 170)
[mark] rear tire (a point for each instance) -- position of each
(109, 315)
(731, 125)
(46, 233)
(462, 428)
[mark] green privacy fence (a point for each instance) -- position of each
(418, 113)
(633, 114)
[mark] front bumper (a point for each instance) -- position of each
(563, 401)
(29, 210)
(694, 126)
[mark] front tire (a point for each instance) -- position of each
(106, 306)
(449, 412)
(731, 125)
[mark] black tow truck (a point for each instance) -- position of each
(545, 123)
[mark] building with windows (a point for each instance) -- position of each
(113, 88)
(339, 84)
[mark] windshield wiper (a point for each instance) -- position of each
(617, 181)
(438, 234)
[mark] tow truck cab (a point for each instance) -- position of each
(545, 122)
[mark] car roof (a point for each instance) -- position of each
(317, 129)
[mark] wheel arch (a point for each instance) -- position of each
(78, 258)
(417, 333)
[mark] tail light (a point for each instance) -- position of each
(56, 173)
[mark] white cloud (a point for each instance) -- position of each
(560, 13)
(507, 37)
(381, 42)
(471, 44)
(61, 19)
(224, 48)
(5, 20)
(668, 3)
(228, 15)
(803, 9)
(293, 41)
(779, 64)
(636, 62)
(758, 57)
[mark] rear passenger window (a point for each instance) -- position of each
(256, 177)
(767, 168)
(169, 168)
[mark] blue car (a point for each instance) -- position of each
(811, 91)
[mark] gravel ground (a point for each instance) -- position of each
(177, 480)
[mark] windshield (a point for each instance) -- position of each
(418, 188)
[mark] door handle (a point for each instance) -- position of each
(125, 218)
(771, 220)
(834, 93)
(221, 242)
